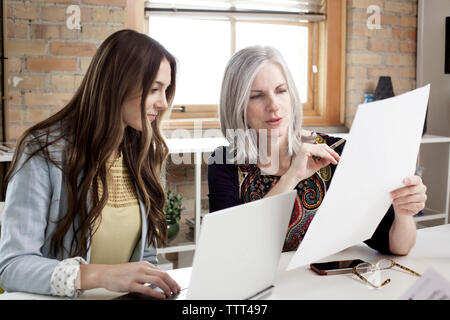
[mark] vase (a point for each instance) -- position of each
(368, 97)
(172, 231)
(384, 88)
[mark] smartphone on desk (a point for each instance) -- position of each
(335, 267)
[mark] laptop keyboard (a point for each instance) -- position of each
(140, 296)
(181, 296)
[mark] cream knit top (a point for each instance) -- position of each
(119, 227)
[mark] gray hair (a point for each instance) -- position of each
(235, 94)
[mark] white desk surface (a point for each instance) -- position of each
(432, 249)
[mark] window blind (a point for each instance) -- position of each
(286, 10)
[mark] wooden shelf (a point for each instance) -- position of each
(429, 215)
(430, 223)
(429, 138)
(6, 157)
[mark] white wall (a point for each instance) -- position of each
(430, 69)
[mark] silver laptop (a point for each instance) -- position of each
(238, 250)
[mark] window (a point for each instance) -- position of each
(204, 34)
(202, 48)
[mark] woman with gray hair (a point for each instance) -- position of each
(269, 153)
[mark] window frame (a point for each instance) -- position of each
(312, 84)
(331, 87)
(329, 82)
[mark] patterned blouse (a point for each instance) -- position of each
(231, 185)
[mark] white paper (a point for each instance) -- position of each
(431, 286)
(381, 150)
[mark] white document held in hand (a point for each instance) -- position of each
(381, 150)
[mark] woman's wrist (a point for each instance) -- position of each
(65, 279)
(289, 180)
(91, 276)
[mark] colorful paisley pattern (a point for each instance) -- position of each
(310, 194)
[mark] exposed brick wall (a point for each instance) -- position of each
(47, 60)
(371, 53)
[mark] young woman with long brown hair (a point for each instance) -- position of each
(84, 202)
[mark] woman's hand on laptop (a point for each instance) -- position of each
(128, 277)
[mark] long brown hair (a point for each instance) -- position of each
(91, 127)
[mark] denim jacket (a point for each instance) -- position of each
(36, 199)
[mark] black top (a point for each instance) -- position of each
(226, 189)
